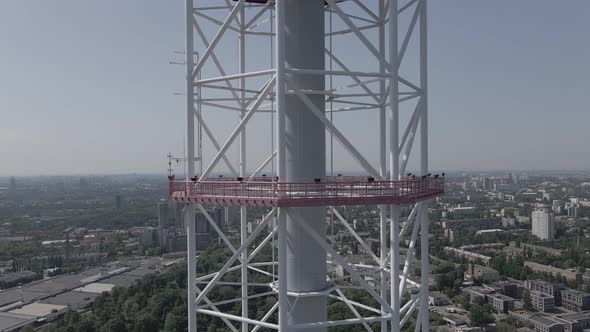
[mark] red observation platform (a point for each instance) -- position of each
(268, 191)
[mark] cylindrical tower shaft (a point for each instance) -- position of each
(305, 154)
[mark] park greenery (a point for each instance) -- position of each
(157, 303)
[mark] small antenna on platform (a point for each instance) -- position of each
(171, 160)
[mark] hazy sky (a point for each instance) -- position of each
(86, 86)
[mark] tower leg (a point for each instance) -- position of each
(189, 216)
(424, 313)
(394, 163)
(424, 163)
(283, 301)
(383, 165)
(243, 210)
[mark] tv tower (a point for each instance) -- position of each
(299, 65)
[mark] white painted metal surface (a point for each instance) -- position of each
(294, 93)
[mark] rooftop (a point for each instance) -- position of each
(37, 309)
(12, 321)
(575, 292)
(541, 282)
(544, 320)
(576, 316)
(96, 287)
(72, 299)
(502, 297)
(540, 294)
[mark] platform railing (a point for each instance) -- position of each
(335, 190)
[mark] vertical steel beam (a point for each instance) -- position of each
(382, 162)
(394, 161)
(243, 211)
(281, 165)
(189, 216)
(190, 139)
(282, 260)
(424, 314)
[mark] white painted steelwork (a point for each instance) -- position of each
(294, 93)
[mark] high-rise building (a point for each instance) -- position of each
(205, 231)
(173, 237)
(543, 225)
(573, 210)
(12, 187)
(163, 223)
(557, 206)
(176, 215)
(149, 237)
(487, 184)
(163, 209)
(175, 242)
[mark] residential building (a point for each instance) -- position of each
(575, 300)
(501, 303)
(483, 272)
(541, 323)
(554, 290)
(12, 186)
(536, 249)
(478, 294)
(576, 322)
(505, 287)
(541, 301)
(569, 275)
(149, 237)
(461, 211)
(472, 223)
(471, 257)
(543, 225)
(163, 210)
(175, 243)
(487, 184)
(546, 324)
(573, 210)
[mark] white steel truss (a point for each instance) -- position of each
(387, 31)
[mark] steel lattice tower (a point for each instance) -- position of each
(297, 93)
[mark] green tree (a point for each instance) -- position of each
(174, 323)
(114, 325)
(480, 315)
(146, 323)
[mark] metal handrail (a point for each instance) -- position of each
(277, 193)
